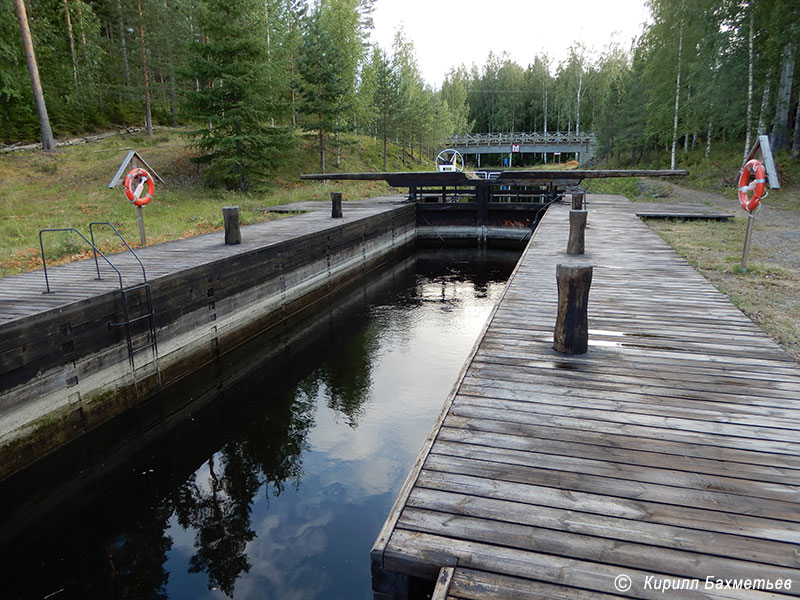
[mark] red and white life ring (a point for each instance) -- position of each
(757, 186)
(134, 195)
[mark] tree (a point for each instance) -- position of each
(17, 115)
(455, 92)
(325, 90)
(148, 115)
(386, 96)
(236, 140)
(677, 93)
(780, 130)
(539, 83)
(48, 145)
(296, 11)
(410, 105)
(365, 111)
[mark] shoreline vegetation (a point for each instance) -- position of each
(69, 188)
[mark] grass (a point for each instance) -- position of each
(69, 188)
(632, 188)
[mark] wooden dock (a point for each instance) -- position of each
(667, 455)
(22, 295)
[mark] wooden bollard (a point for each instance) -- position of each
(578, 200)
(230, 215)
(571, 334)
(577, 231)
(336, 205)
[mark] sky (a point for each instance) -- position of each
(448, 33)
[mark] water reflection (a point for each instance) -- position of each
(276, 480)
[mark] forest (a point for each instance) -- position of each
(250, 78)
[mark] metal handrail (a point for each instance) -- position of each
(44, 263)
(119, 235)
(481, 139)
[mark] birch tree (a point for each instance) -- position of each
(677, 94)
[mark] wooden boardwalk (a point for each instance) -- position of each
(684, 211)
(670, 452)
(21, 295)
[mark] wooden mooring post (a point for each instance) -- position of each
(577, 231)
(233, 234)
(571, 334)
(336, 205)
(578, 200)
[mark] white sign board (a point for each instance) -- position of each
(515, 147)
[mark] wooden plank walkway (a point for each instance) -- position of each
(685, 211)
(670, 452)
(21, 295)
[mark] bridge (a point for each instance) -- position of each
(583, 145)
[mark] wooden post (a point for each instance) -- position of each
(577, 230)
(230, 216)
(571, 334)
(578, 199)
(140, 217)
(336, 205)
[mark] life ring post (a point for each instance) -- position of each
(748, 233)
(140, 217)
(139, 197)
(751, 204)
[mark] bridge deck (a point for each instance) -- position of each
(671, 449)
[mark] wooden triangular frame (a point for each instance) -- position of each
(133, 155)
(762, 145)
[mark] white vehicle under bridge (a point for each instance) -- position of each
(498, 208)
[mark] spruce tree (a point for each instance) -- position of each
(234, 105)
(326, 93)
(386, 97)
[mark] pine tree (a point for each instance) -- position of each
(236, 139)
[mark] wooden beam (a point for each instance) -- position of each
(434, 178)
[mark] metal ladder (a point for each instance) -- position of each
(151, 344)
(127, 322)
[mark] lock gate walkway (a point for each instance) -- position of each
(669, 454)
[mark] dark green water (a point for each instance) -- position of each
(277, 481)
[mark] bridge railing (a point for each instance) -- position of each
(502, 139)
